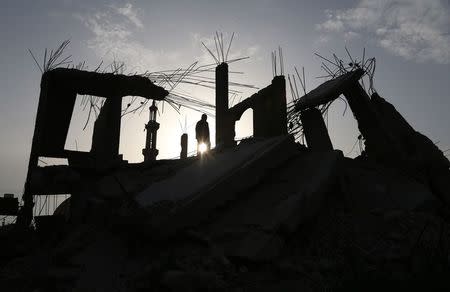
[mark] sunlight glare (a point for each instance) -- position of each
(202, 148)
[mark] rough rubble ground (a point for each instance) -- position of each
(337, 249)
(341, 248)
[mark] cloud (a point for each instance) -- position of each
(413, 29)
(130, 13)
(114, 38)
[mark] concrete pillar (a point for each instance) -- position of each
(379, 143)
(224, 130)
(184, 146)
(315, 130)
(278, 105)
(106, 135)
(260, 116)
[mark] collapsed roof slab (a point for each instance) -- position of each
(328, 91)
(103, 84)
(203, 174)
(197, 190)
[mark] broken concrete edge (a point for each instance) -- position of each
(104, 84)
(200, 175)
(327, 91)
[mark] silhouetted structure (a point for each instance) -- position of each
(299, 218)
(106, 135)
(9, 205)
(150, 152)
(315, 130)
(59, 89)
(269, 110)
(389, 139)
(224, 134)
(184, 146)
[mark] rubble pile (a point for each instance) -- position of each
(288, 219)
(267, 214)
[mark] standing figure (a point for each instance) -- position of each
(202, 135)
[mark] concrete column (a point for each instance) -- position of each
(184, 146)
(379, 143)
(260, 116)
(315, 130)
(278, 104)
(222, 120)
(106, 136)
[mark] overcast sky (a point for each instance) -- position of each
(409, 38)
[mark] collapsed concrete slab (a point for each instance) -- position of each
(206, 185)
(389, 139)
(327, 91)
(204, 174)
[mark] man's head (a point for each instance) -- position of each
(204, 117)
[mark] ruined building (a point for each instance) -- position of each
(268, 104)
(265, 213)
(59, 88)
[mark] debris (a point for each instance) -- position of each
(268, 213)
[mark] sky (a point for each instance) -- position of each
(410, 40)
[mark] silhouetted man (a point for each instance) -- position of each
(202, 135)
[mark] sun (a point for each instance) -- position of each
(202, 148)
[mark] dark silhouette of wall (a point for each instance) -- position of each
(269, 110)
